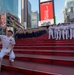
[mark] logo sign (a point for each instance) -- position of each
(46, 22)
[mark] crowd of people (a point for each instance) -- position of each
(61, 31)
(29, 33)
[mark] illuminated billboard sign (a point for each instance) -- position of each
(3, 20)
(44, 0)
(46, 12)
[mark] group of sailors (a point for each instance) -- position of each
(29, 34)
(61, 31)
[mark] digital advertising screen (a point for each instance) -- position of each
(46, 12)
(44, 0)
(3, 20)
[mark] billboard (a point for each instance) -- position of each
(3, 20)
(44, 0)
(46, 12)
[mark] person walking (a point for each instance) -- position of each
(8, 43)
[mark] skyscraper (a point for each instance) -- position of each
(68, 3)
(29, 15)
(26, 13)
(9, 6)
(69, 10)
(24, 6)
(35, 19)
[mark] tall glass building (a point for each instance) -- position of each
(26, 13)
(9, 6)
(35, 19)
(69, 11)
(69, 3)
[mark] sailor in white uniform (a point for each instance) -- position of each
(51, 32)
(8, 43)
(57, 32)
(61, 30)
(68, 27)
(65, 31)
(71, 30)
(54, 34)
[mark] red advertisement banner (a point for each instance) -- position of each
(46, 11)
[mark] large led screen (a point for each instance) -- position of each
(44, 0)
(46, 12)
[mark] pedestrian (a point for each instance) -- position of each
(65, 31)
(8, 43)
(51, 28)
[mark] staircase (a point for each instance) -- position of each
(42, 56)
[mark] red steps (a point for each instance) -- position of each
(46, 52)
(45, 44)
(42, 50)
(6, 72)
(28, 68)
(45, 47)
(31, 68)
(58, 60)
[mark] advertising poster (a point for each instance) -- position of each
(46, 13)
(3, 20)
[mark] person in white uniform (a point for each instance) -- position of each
(57, 32)
(54, 34)
(61, 30)
(68, 27)
(8, 43)
(65, 31)
(51, 32)
(71, 30)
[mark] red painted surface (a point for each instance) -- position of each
(46, 8)
(31, 53)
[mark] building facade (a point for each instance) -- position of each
(69, 10)
(26, 13)
(9, 6)
(29, 15)
(35, 19)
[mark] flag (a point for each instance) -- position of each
(54, 19)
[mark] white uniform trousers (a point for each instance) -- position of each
(71, 33)
(54, 34)
(57, 34)
(60, 33)
(4, 52)
(65, 34)
(51, 34)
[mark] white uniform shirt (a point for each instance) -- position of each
(65, 27)
(7, 42)
(51, 28)
(56, 28)
(71, 26)
(68, 25)
(61, 27)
